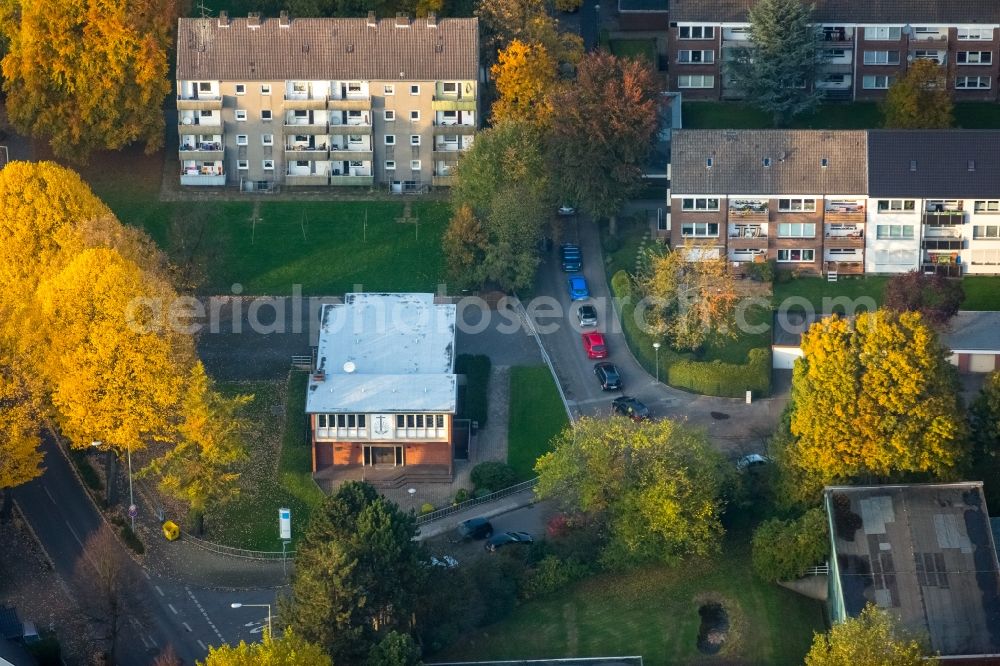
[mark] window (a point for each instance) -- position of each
(877, 82)
(414, 139)
(354, 139)
(389, 115)
(299, 87)
(415, 165)
(986, 257)
(696, 32)
(389, 89)
(987, 207)
(241, 114)
(420, 425)
(449, 139)
(881, 57)
(986, 231)
(241, 89)
(797, 205)
(686, 57)
(921, 54)
(834, 53)
(882, 33)
(241, 139)
(766, 162)
(449, 88)
(798, 256)
(699, 204)
(390, 165)
(975, 57)
(896, 205)
(265, 114)
(353, 87)
(302, 163)
(973, 82)
(414, 89)
(796, 230)
(696, 81)
(267, 139)
(414, 115)
(699, 229)
(265, 89)
(355, 163)
(268, 165)
(975, 33)
(890, 231)
(242, 165)
(204, 86)
(390, 139)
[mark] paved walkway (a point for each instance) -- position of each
(491, 442)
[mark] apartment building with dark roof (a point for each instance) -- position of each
(864, 45)
(324, 101)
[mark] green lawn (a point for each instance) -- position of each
(653, 612)
(639, 49)
(856, 115)
(816, 289)
(982, 292)
(977, 115)
(536, 416)
(475, 404)
(251, 520)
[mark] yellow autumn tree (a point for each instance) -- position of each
(114, 365)
(289, 649)
(199, 469)
(525, 75)
(873, 638)
(20, 457)
(873, 398)
(87, 75)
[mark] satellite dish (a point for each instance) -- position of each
(349, 367)
(187, 121)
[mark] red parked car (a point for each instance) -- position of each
(593, 344)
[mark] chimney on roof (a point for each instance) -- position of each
(283, 20)
(253, 20)
(432, 20)
(372, 23)
(402, 21)
(223, 18)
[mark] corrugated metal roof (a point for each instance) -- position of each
(385, 353)
(328, 49)
(794, 162)
(934, 163)
(851, 11)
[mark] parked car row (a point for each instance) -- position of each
(481, 528)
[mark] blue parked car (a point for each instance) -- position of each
(577, 286)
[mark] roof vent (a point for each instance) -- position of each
(349, 367)
(972, 165)
(372, 23)
(253, 20)
(913, 165)
(402, 21)
(223, 18)
(283, 20)
(766, 162)
(824, 162)
(782, 156)
(432, 20)
(350, 48)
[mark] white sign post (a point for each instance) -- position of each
(285, 524)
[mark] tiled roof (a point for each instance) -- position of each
(851, 11)
(795, 162)
(922, 163)
(327, 48)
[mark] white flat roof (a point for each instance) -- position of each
(385, 353)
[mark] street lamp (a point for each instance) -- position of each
(656, 347)
(132, 508)
(237, 604)
(597, 23)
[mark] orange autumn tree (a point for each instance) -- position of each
(874, 398)
(87, 75)
(525, 76)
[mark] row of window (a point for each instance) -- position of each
(711, 230)
(868, 82)
(875, 33)
(360, 420)
(448, 88)
(268, 165)
(980, 206)
(687, 57)
(784, 205)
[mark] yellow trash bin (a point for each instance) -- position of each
(171, 530)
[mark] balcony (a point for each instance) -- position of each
(349, 104)
(202, 152)
(352, 181)
(946, 218)
(945, 266)
(749, 215)
(845, 267)
(929, 41)
(304, 103)
(201, 121)
(205, 177)
(841, 215)
(443, 181)
(305, 153)
(942, 244)
(306, 179)
(448, 155)
(453, 129)
(741, 242)
(199, 103)
(836, 39)
(341, 129)
(345, 154)
(306, 129)
(841, 239)
(453, 104)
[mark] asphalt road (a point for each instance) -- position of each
(189, 618)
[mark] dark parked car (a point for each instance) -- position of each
(505, 538)
(630, 407)
(607, 374)
(475, 528)
(571, 256)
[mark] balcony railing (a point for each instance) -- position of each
(202, 152)
(352, 181)
(453, 104)
(305, 103)
(201, 121)
(342, 154)
(443, 181)
(307, 129)
(749, 215)
(305, 153)
(203, 177)
(945, 218)
(929, 41)
(738, 242)
(199, 103)
(341, 129)
(840, 215)
(845, 267)
(349, 103)
(441, 129)
(851, 240)
(306, 179)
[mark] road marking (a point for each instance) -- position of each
(46, 489)
(171, 607)
(207, 618)
(146, 574)
(145, 643)
(188, 627)
(73, 532)
(151, 640)
(159, 590)
(202, 645)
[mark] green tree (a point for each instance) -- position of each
(608, 119)
(873, 400)
(199, 468)
(873, 638)
(651, 487)
(358, 574)
(465, 246)
(784, 549)
(934, 296)
(985, 419)
(288, 649)
(395, 649)
(920, 98)
(776, 72)
(88, 77)
(503, 21)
